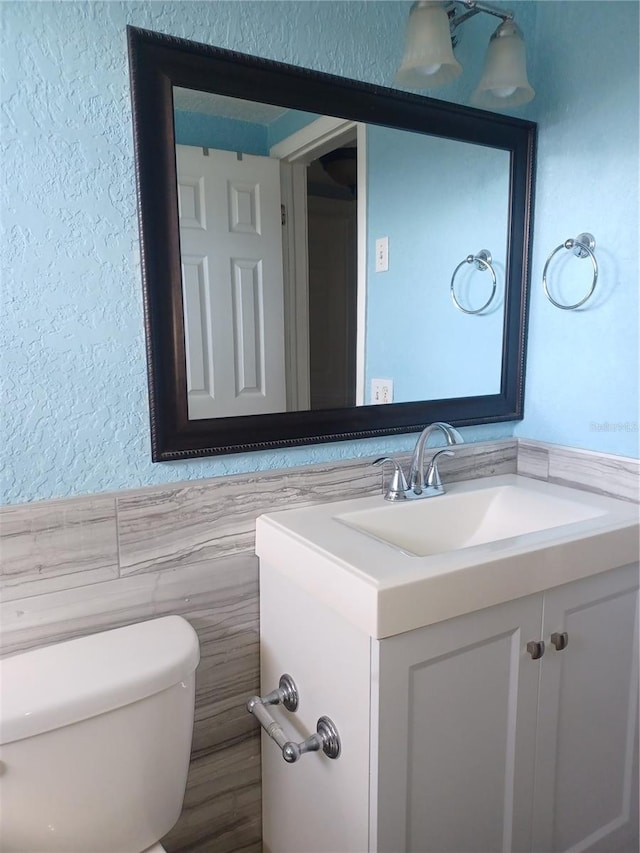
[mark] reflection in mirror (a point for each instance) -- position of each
(287, 306)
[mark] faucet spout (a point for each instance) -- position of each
(416, 474)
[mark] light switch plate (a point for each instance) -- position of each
(382, 254)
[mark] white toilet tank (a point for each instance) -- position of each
(95, 737)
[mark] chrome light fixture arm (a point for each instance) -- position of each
(474, 8)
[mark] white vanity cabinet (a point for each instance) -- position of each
(453, 737)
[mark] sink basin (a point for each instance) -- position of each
(392, 567)
(461, 520)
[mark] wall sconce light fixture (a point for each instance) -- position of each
(429, 60)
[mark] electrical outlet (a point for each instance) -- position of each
(382, 254)
(381, 391)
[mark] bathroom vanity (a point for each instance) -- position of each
(477, 653)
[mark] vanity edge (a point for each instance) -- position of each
(435, 589)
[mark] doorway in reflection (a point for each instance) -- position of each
(332, 190)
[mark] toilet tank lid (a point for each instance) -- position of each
(51, 687)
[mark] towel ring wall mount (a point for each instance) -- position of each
(583, 247)
(482, 261)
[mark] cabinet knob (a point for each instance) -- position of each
(535, 648)
(560, 640)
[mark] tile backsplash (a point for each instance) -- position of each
(614, 476)
(76, 566)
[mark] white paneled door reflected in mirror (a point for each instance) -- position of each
(298, 252)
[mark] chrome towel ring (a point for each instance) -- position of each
(583, 247)
(482, 262)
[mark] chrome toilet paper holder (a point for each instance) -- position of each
(326, 737)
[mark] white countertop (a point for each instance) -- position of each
(385, 590)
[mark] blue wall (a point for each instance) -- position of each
(437, 201)
(582, 366)
(226, 134)
(75, 413)
(229, 134)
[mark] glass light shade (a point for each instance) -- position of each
(428, 56)
(504, 82)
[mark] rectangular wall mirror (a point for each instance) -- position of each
(322, 259)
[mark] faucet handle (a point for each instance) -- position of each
(433, 475)
(398, 488)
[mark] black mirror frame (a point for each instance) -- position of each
(160, 62)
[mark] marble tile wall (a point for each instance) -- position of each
(73, 567)
(76, 566)
(56, 544)
(614, 476)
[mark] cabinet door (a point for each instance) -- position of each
(456, 734)
(586, 788)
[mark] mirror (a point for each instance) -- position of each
(304, 337)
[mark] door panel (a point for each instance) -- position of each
(457, 733)
(586, 790)
(231, 246)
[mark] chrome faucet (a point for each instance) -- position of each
(421, 485)
(417, 480)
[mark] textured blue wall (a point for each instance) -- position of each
(75, 416)
(582, 366)
(75, 413)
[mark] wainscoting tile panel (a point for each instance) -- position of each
(56, 545)
(58, 616)
(615, 476)
(182, 525)
(533, 460)
(480, 460)
(470, 461)
(229, 672)
(222, 808)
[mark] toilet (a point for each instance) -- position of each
(95, 738)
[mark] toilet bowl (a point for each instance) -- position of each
(95, 738)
